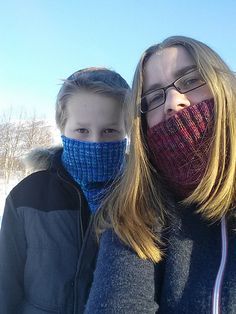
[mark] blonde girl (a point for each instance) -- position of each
(173, 213)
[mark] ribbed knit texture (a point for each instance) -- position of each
(180, 146)
(93, 165)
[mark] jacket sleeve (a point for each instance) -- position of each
(123, 283)
(12, 259)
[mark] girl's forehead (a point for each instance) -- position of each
(171, 57)
(163, 65)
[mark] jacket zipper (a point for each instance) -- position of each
(82, 240)
(87, 235)
(80, 212)
(219, 279)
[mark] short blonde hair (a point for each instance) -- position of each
(95, 80)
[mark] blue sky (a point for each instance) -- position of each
(43, 41)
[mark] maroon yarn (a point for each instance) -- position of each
(180, 146)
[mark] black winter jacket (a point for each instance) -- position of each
(47, 246)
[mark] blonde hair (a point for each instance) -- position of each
(138, 203)
(95, 80)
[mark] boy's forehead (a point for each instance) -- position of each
(90, 96)
(94, 108)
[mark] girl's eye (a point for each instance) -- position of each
(191, 82)
(82, 131)
(109, 131)
(156, 98)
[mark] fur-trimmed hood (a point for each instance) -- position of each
(40, 158)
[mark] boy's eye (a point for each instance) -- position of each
(82, 131)
(109, 131)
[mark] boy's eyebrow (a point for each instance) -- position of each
(82, 124)
(112, 124)
(177, 74)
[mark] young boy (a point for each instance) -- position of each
(47, 245)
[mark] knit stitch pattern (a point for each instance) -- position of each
(180, 146)
(93, 165)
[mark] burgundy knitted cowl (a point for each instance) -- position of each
(180, 146)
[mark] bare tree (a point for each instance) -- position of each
(17, 138)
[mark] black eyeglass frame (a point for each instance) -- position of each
(168, 86)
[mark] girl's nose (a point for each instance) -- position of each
(175, 101)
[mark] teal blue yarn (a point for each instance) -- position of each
(93, 165)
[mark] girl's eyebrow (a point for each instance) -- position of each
(177, 74)
(184, 70)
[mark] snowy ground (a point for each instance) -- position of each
(4, 190)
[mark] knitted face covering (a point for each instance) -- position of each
(180, 146)
(93, 165)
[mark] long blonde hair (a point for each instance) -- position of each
(137, 203)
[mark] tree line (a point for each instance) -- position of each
(18, 137)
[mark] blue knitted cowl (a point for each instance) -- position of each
(93, 165)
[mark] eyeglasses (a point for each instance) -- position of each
(184, 84)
